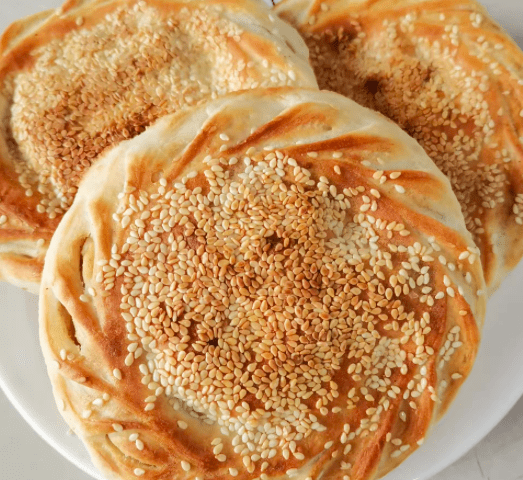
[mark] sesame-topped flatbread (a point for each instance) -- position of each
(453, 79)
(291, 294)
(79, 79)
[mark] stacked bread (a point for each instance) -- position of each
(241, 275)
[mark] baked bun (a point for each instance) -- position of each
(77, 80)
(453, 79)
(279, 283)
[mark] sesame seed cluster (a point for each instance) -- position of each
(286, 305)
(448, 76)
(104, 73)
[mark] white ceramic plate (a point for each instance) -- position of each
(492, 389)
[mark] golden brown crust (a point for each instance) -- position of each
(453, 79)
(19, 29)
(79, 79)
(205, 261)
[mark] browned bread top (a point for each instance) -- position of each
(277, 284)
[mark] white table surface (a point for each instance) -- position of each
(25, 456)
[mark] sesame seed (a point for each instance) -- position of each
(464, 255)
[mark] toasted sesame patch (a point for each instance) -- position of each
(85, 92)
(422, 82)
(249, 299)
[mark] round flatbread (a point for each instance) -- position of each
(278, 284)
(77, 80)
(449, 76)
